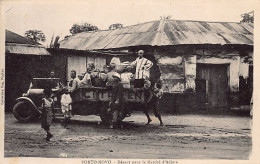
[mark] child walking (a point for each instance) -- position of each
(154, 103)
(66, 106)
(47, 108)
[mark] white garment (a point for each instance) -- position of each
(75, 85)
(65, 102)
(86, 81)
(143, 66)
(126, 76)
(47, 103)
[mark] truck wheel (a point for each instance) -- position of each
(106, 115)
(23, 111)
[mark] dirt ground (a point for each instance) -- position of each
(182, 137)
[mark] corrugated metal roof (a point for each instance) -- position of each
(163, 32)
(25, 49)
(11, 37)
(18, 44)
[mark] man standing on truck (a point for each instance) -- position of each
(142, 65)
(117, 102)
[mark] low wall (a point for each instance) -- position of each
(190, 103)
(173, 103)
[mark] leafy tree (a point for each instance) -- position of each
(115, 26)
(248, 17)
(36, 35)
(77, 28)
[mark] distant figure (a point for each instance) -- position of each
(154, 103)
(47, 109)
(74, 83)
(142, 65)
(80, 76)
(66, 106)
(86, 81)
(117, 102)
(52, 74)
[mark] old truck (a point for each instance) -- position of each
(86, 101)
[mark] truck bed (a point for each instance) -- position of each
(105, 94)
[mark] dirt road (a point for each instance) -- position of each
(182, 137)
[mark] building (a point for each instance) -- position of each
(212, 60)
(24, 59)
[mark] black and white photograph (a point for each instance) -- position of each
(154, 81)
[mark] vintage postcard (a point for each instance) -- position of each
(129, 82)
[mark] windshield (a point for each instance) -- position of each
(41, 83)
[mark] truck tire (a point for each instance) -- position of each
(105, 115)
(23, 111)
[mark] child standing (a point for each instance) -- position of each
(47, 108)
(66, 106)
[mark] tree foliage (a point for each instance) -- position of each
(36, 35)
(115, 26)
(248, 17)
(77, 28)
(248, 60)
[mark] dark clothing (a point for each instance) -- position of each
(154, 104)
(117, 102)
(46, 119)
(118, 93)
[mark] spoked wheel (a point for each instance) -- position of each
(23, 111)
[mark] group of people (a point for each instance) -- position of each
(109, 77)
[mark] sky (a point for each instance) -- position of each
(57, 17)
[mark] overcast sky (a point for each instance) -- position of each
(57, 17)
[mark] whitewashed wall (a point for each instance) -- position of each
(190, 71)
(99, 62)
(180, 81)
(172, 75)
(77, 63)
(243, 68)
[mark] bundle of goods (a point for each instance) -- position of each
(96, 80)
(103, 76)
(115, 61)
(119, 68)
(110, 79)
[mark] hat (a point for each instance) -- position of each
(116, 75)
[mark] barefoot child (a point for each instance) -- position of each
(66, 106)
(47, 108)
(154, 103)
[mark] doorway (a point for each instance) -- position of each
(213, 84)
